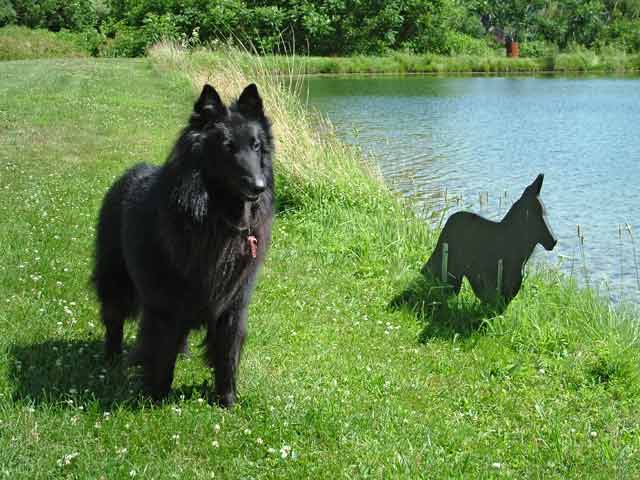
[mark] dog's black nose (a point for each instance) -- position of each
(259, 185)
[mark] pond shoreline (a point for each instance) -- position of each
(454, 73)
(398, 63)
(433, 136)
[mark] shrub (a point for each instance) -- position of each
(129, 41)
(56, 15)
(126, 42)
(461, 44)
(7, 13)
(537, 49)
(624, 34)
(90, 41)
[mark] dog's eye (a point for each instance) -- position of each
(256, 145)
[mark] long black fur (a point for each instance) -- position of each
(173, 242)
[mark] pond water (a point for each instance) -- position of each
(476, 142)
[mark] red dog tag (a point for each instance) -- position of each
(253, 245)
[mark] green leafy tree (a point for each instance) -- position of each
(7, 13)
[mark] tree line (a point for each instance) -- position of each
(340, 27)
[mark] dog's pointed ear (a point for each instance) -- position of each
(536, 186)
(250, 102)
(209, 104)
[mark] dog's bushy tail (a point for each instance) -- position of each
(110, 277)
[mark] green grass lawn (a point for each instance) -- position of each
(337, 380)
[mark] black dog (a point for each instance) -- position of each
(183, 242)
(490, 254)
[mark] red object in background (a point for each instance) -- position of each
(513, 49)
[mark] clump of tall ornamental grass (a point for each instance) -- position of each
(308, 152)
(314, 169)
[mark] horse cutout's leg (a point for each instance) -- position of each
(444, 274)
(499, 280)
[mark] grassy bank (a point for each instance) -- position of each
(338, 379)
(585, 61)
(401, 63)
(21, 43)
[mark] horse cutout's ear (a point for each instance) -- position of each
(209, 104)
(536, 186)
(250, 102)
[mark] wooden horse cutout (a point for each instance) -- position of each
(491, 254)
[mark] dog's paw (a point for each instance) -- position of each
(227, 400)
(135, 358)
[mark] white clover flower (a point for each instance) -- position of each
(259, 441)
(496, 465)
(215, 444)
(67, 459)
(216, 428)
(285, 451)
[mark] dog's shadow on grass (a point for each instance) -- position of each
(441, 315)
(75, 372)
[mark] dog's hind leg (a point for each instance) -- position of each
(118, 301)
(113, 319)
(160, 337)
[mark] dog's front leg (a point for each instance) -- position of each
(224, 346)
(159, 339)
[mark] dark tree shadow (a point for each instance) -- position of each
(442, 315)
(75, 372)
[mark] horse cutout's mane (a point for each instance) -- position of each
(492, 255)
